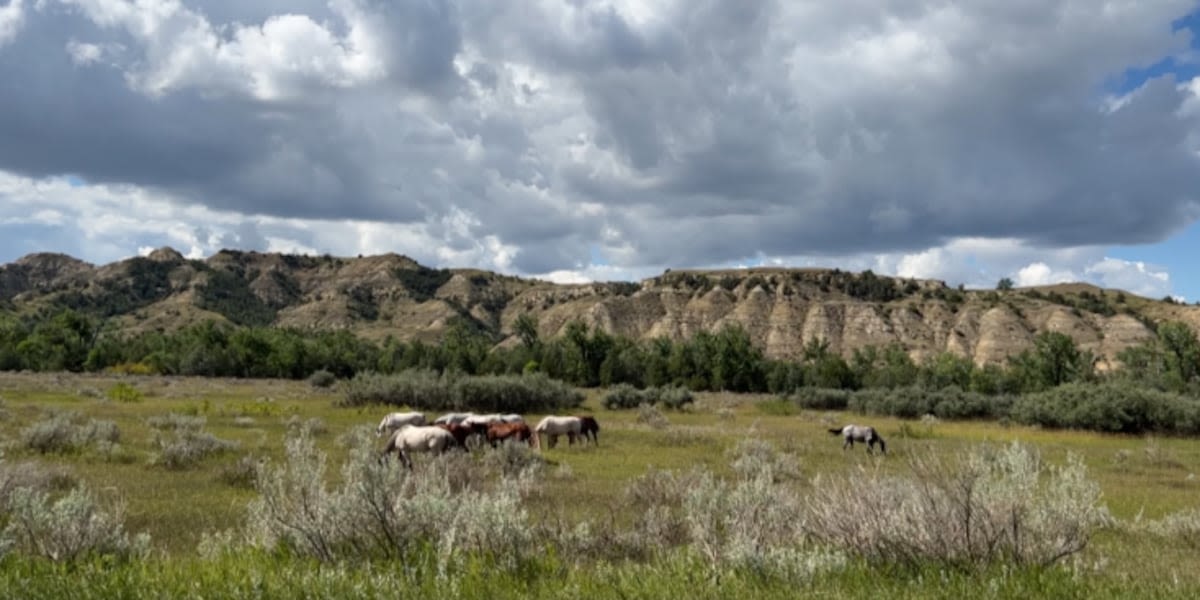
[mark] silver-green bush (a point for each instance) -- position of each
(989, 507)
(72, 527)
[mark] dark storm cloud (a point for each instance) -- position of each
(664, 133)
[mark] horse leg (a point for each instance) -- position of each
(849, 443)
(406, 459)
(571, 438)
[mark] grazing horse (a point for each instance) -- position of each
(499, 432)
(418, 438)
(449, 418)
(396, 420)
(555, 426)
(860, 433)
(459, 432)
(589, 428)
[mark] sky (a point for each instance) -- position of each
(969, 141)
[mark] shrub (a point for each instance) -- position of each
(1181, 527)
(33, 476)
(70, 528)
(622, 396)
(649, 415)
(672, 397)
(187, 447)
(989, 507)
(425, 390)
(820, 398)
(181, 441)
(380, 510)
(123, 392)
(242, 473)
(322, 379)
(1113, 407)
(68, 432)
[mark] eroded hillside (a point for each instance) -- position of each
(782, 309)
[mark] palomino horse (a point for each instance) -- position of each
(555, 426)
(418, 438)
(860, 433)
(396, 420)
(499, 432)
(589, 428)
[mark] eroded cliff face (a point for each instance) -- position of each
(782, 310)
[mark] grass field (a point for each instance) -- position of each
(1141, 478)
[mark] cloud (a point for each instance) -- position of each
(11, 17)
(530, 135)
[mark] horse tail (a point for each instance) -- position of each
(837, 431)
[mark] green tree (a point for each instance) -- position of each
(1005, 284)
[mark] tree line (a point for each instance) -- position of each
(724, 360)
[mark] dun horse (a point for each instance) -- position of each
(860, 433)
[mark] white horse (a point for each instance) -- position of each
(482, 421)
(512, 418)
(860, 433)
(555, 426)
(418, 438)
(452, 418)
(397, 420)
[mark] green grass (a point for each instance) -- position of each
(1140, 477)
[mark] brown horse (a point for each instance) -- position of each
(498, 432)
(459, 432)
(589, 428)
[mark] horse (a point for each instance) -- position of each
(417, 438)
(449, 418)
(860, 433)
(589, 428)
(499, 432)
(397, 420)
(554, 426)
(512, 418)
(459, 432)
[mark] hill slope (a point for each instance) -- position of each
(782, 309)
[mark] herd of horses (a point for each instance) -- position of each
(409, 432)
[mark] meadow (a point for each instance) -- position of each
(180, 500)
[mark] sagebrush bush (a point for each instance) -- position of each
(176, 421)
(378, 509)
(993, 506)
(752, 522)
(33, 476)
(624, 396)
(68, 432)
(322, 379)
(648, 414)
(671, 397)
(1178, 528)
(70, 528)
(185, 448)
